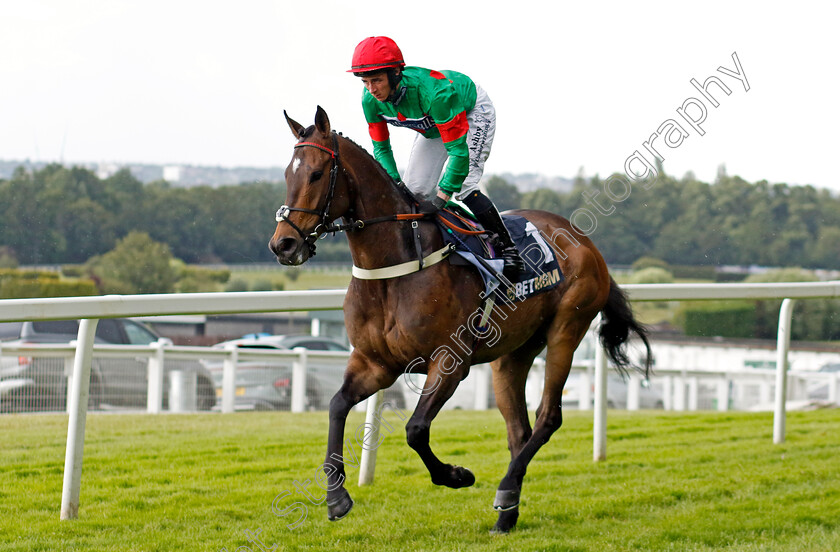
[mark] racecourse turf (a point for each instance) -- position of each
(671, 481)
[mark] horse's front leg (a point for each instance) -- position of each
(361, 380)
(437, 390)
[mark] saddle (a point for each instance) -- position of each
(472, 246)
(467, 243)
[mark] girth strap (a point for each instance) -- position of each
(402, 269)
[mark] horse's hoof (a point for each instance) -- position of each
(506, 522)
(457, 477)
(506, 500)
(339, 507)
(464, 477)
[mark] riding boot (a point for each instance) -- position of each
(491, 220)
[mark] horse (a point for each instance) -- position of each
(413, 319)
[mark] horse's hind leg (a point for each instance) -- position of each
(558, 363)
(510, 373)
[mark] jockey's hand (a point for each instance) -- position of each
(431, 207)
(434, 205)
(439, 202)
(426, 207)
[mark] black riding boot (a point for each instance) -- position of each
(491, 220)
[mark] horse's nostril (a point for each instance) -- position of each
(288, 244)
(283, 246)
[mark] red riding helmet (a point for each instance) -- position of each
(375, 54)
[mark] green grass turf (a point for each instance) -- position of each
(671, 481)
(290, 279)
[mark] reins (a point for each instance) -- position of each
(456, 228)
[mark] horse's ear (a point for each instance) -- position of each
(297, 128)
(322, 122)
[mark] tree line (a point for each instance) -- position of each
(688, 222)
(63, 215)
(60, 215)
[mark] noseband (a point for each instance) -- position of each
(323, 227)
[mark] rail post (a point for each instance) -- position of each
(722, 394)
(154, 398)
(782, 347)
(481, 399)
(229, 379)
(78, 416)
(599, 430)
(585, 390)
(667, 393)
(182, 391)
(633, 391)
(680, 392)
(68, 373)
(299, 381)
(693, 393)
(371, 435)
(834, 389)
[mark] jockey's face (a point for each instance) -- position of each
(378, 86)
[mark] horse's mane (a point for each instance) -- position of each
(311, 129)
(400, 186)
(370, 156)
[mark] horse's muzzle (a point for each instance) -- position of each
(289, 251)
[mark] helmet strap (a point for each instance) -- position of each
(394, 78)
(397, 95)
(397, 91)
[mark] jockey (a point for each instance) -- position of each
(455, 121)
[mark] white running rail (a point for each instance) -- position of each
(91, 309)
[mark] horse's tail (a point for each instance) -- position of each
(617, 323)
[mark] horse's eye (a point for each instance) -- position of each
(316, 176)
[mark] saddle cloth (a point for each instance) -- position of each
(542, 272)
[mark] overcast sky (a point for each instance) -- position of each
(575, 84)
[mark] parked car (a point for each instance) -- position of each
(39, 383)
(267, 384)
(287, 342)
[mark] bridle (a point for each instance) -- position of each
(324, 226)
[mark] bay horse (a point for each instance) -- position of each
(401, 323)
